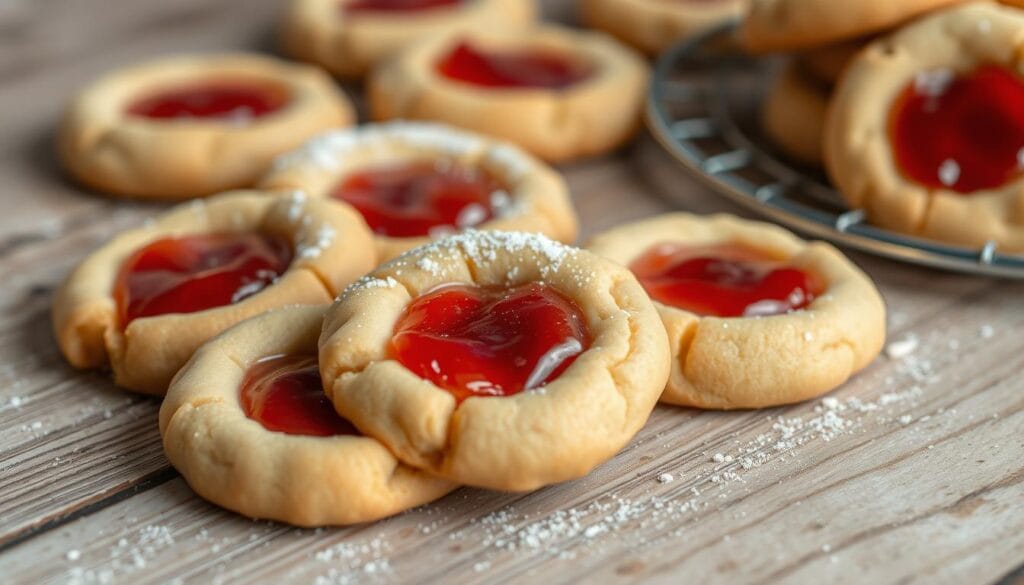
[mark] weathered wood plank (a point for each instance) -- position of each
(913, 473)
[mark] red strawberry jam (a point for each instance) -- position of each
(490, 341)
(195, 273)
(963, 133)
(284, 394)
(728, 280)
(416, 199)
(396, 5)
(516, 69)
(238, 101)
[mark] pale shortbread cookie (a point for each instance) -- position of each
(590, 117)
(347, 45)
(122, 154)
(757, 362)
(521, 442)
(535, 197)
(654, 25)
(792, 25)
(858, 151)
(235, 462)
(332, 247)
(793, 114)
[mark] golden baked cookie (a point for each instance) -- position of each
(925, 132)
(654, 25)
(191, 126)
(793, 113)
(794, 25)
(497, 359)
(826, 64)
(145, 300)
(755, 316)
(556, 92)
(415, 182)
(349, 37)
(247, 424)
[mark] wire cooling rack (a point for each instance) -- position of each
(702, 109)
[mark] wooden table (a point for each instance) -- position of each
(913, 471)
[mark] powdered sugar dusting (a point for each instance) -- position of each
(312, 243)
(328, 150)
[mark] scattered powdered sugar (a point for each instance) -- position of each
(900, 349)
(297, 207)
(986, 332)
(666, 478)
(328, 150)
(313, 243)
(127, 556)
(428, 265)
(483, 247)
(354, 562)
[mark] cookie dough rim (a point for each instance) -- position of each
(793, 114)
(233, 461)
(316, 31)
(553, 434)
(556, 125)
(654, 25)
(858, 153)
(326, 239)
(845, 325)
(770, 25)
(539, 198)
(121, 154)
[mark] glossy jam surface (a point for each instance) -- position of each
(194, 273)
(528, 68)
(726, 280)
(963, 133)
(419, 199)
(284, 394)
(234, 101)
(483, 341)
(359, 6)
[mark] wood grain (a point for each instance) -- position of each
(923, 480)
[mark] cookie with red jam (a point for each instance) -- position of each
(755, 316)
(144, 301)
(496, 359)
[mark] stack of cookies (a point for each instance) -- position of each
(378, 314)
(913, 108)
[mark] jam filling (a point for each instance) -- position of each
(195, 273)
(525, 68)
(726, 280)
(284, 394)
(962, 133)
(422, 198)
(238, 102)
(490, 341)
(356, 6)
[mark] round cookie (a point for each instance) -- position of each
(655, 25)
(826, 64)
(191, 126)
(271, 452)
(349, 38)
(512, 190)
(795, 25)
(793, 114)
(942, 182)
(556, 92)
(774, 351)
(552, 427)
(145, 330)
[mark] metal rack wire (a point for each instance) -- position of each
(699, 110)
